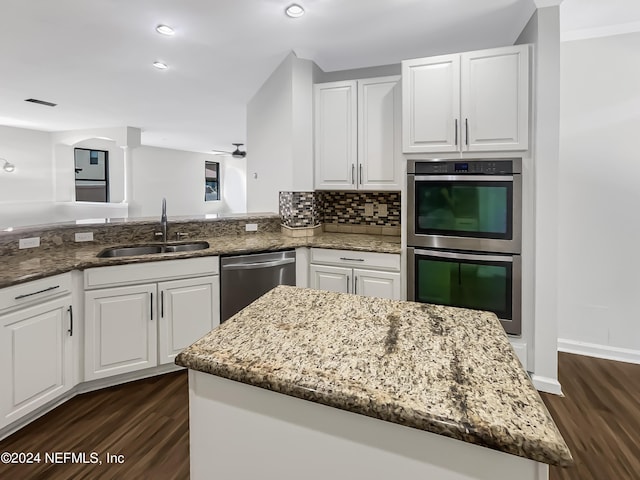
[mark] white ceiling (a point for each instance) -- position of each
(93, 57)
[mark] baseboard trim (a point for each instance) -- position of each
(546, 384)
(599, 351)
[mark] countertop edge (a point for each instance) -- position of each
(552, 454)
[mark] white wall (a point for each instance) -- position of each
(280, 134)
(30, 152)
(599, 220)
(41, 190)
(178, 176)
(28, 190)
(269, 140)
(540, 244)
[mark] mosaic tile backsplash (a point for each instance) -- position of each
(308, 209)
(349, 208)
(299, 209)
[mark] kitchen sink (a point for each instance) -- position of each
(151, 249)
(185, 247)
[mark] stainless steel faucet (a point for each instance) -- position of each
(163, 220)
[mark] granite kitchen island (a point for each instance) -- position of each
(307, 384)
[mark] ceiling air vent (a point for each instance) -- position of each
(40, 102)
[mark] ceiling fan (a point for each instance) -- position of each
(237, 153)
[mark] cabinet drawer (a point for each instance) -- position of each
(28, 293)
(116, 275)
(351, 258)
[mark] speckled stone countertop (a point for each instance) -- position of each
(445, 370)
(63, 258)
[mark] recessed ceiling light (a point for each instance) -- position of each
(294, 10)
(160, 65)
(165, 30)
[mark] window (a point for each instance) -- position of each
(92, 175)
(211, 181)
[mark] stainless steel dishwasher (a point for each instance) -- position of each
(247, 277)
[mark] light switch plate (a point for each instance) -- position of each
(368, 209)
(251, 227)
(84, 237)
(382, 210)
(31, 242)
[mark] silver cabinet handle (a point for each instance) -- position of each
(360, 174)
(161, 303)
(151, 303)
(70, 310)
(251, 266)
(464, 256)
(352, 259)
(456, 134)
(355, 284)
(464, 178)
(348, 279)
(466, 131)
(352, 173)
(36, 293)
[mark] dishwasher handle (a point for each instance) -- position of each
(255, 265)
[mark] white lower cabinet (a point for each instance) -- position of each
(120, 330)
(188, 310)
(134, 327)
(36, 357)
(370, 283)
(381, 278)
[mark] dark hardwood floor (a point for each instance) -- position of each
(147, 422)
(599, 418)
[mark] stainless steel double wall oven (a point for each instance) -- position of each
(464, 235)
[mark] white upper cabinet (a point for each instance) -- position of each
(357, 134)
(336, 145)
(431, 104)
(379, 117)
(469, 102)
(495, 98)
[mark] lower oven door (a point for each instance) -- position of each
(469, 280)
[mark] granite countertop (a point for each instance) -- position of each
(60, 259)
(445, 370)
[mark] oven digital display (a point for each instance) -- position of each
(461, 167)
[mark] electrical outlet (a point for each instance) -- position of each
(31, 242)
(368, 209)
(251, 227)
(84, 237)
(382, 210)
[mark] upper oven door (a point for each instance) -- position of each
(465, 212)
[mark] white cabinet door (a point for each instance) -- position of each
(379, 117)
(336, 146)
(333, 279)
(120, 330)
(189, 309)
(36, 358)
(372, 283)
(495, 99)
(431, 104)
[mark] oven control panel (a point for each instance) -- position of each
(466, 167)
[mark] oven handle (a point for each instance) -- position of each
(464, 178)
(465, 256)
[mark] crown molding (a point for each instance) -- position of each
(547, 3)
(597, 32)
